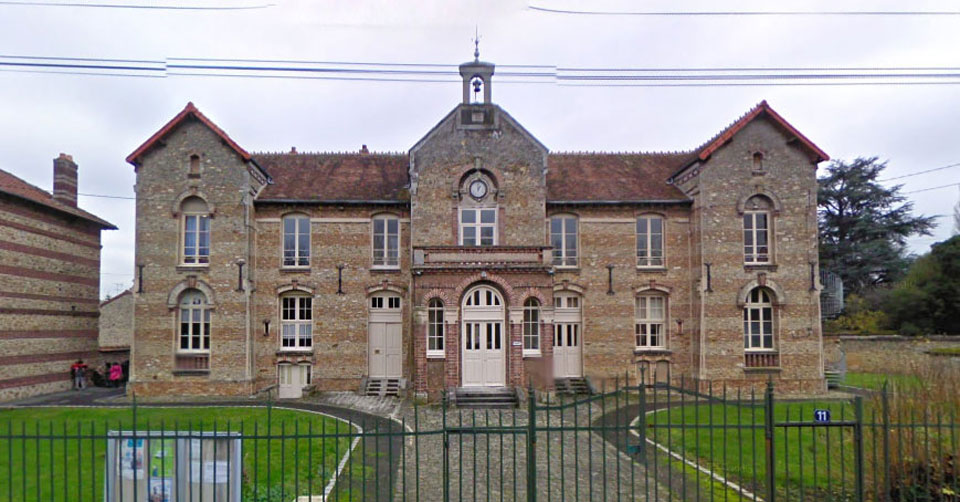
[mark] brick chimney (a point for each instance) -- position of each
(65, 180)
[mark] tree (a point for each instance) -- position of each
(864, 225)
(926, 301)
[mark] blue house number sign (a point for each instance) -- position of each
(821, 415)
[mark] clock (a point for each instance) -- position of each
(478, 189)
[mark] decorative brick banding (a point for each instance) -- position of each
(34, 380)
(49, 298)
(76, 333)
(50, 276)
(46, 253)
(54, 235)
(57, 356)
(69, 313)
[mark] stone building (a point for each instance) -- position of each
(477, 259)
(116, 328)
(49, 282)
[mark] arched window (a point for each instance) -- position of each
(478, 211)
(296, 240)
(651, 318)
(758, 320)
(194, 322)
(650, 241)
(296, 322)
(386, 241)
(756, 230)
(435, 328)
(563, 238)
(196, 232)
(531, 327)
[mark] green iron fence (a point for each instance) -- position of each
(680, 441)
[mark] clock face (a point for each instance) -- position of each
(478, 189)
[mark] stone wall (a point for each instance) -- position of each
(116, 322)
(886, 354)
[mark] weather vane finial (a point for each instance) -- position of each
(476, 44)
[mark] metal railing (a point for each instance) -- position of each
(679, 441)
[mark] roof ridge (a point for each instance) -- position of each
(621, 153)
(31, 185)
(333, 153)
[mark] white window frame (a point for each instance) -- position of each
(477, 225)
(436, 329)
(299, 319)
(751, 250)
(532, 319)
(306, 376)
(383, 256)
(563, 256)
(385, 302)
(195, 258)
(649, 323)
(299, 256)
(195, 309)
(648, 259)
(756, 324)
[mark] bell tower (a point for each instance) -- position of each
(476, 77)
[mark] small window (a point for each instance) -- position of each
(296, 322)
(381, 302)
(757, 161)
(296, 241)
(194, 322)
(650, 241)
(194, 166)
(758, 321)
(196, 232)
(478, 226)
(650, 322)
(531, 327)
(566, 301)
(563, 238)
(435, 329)
(386, 241)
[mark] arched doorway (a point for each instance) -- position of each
(567, 335)
(484, 338)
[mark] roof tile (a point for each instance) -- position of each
(15, 186)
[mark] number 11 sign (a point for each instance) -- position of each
(821, 415)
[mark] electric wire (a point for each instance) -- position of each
(918, 173)
(550, 10)
(134, 6)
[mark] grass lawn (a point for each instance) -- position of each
(818, 461)
(875, 381)
(38, 468)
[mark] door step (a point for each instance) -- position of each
(381, 387)
(486, 397)
(573, 386)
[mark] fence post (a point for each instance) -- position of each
(768, 425)
(642, 416)
(885, 409)
(858, 444)
(531, 445)
(446, 452)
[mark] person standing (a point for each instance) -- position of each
(116, 374)
(77, 371)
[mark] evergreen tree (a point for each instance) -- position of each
(864, 225)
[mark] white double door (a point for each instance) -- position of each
(484, 344)
(386, 349)
(567, 350)
(292, 379)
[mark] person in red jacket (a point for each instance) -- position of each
(77, 374)
(116, 374)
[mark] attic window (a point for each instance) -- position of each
(194, 166)
(757, 161)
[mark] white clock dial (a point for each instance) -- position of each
(478, 189)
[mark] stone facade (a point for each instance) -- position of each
(302, 271)
(890, 354)
(116, 327)
(49, 283)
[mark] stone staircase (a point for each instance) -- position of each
(486, 397)
(573, 386)
(381, 387)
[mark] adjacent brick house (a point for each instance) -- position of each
(477, 259)
(49, 282)
(116, 328)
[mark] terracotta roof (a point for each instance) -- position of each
(16, 187)
(189, 111)
(613, 176)
(335, 177)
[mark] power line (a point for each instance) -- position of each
(934, 188)
(918, 173)
(744, 13)
(132, 6)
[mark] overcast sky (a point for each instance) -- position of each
(101, 119)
